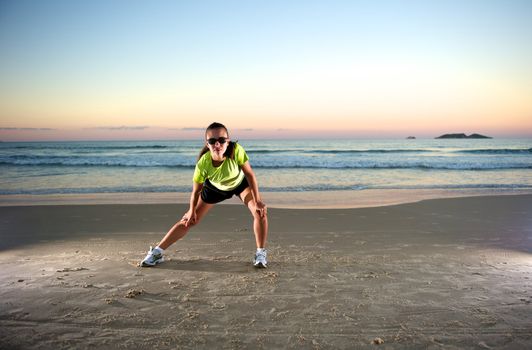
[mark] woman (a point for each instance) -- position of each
(222, 170)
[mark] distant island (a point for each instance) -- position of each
(411, 138)
(463, 136)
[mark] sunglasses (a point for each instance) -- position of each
(220, 140)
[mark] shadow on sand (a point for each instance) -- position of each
(205, 265)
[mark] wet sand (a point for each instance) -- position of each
(444, 273)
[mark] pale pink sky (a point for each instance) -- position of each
(147, 70)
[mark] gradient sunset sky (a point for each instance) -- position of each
(83, 70)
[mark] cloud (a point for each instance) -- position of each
(202, 129)
(123, 127)
(190, 129)
(28, 129)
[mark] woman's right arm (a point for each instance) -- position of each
(190, 216)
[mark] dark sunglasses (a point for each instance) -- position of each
(221, 140)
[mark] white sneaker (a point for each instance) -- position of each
(260, 259)
(153, 258)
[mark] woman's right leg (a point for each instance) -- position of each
(179, 230)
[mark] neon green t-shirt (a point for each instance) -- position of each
(225, 177)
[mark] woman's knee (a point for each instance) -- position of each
(257, 216)
(187, 225)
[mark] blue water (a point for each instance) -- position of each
(280, 165)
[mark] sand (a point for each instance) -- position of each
(299, 200)
(443, 273)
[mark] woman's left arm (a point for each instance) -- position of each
(254, 186)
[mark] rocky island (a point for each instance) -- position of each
(463, 136)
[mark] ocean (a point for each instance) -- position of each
(38, 168)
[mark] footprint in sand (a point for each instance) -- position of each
(133, 293)
(70, 269)
(378, 341)
(218, 306)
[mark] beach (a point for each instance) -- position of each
(448, 273)
(391, 143)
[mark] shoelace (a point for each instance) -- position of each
(153, 254)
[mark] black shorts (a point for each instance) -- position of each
(210, 194)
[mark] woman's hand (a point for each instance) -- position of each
(261, 208)
(189, 218)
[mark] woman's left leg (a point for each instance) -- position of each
(260, 223)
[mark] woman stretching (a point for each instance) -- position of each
(222, 170)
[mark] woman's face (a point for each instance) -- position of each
(217, 140)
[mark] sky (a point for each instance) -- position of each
(91, 70)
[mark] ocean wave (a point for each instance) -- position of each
(182, 148)
(90, 190)
(307, 188)
(370, 151)
(498, 151)
(402, 166)
(84, 147)
(337, 151)
(267, 151)
(58, 161)
(147, 162)
(494, 151)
